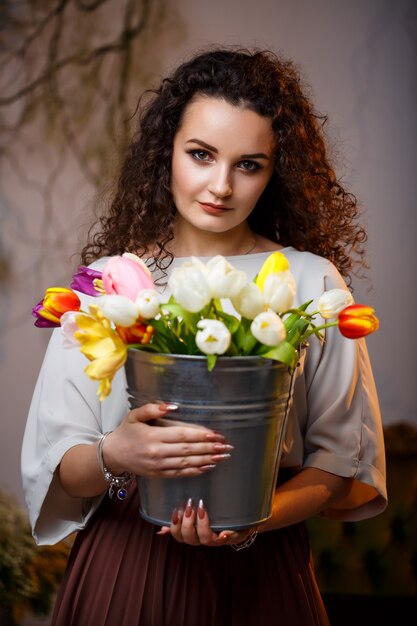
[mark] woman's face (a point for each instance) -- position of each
(223, 158)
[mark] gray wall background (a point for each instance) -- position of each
(359, 58)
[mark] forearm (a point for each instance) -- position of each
(79, 472)
(307, 494)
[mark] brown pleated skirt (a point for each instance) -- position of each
(121, 573)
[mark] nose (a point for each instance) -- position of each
(220, 183)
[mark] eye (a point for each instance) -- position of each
(200, 155)
(249, 166)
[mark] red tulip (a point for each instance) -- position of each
(357, 320)
(57, 301)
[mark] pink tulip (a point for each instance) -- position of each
(126, 277)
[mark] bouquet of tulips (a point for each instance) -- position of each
(129, 313)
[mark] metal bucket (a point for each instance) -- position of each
(244, 398)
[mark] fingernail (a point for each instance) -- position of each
(220, 457)
(168, 406)
(201, 510)
(175, 517)
(224, 536)
(215, 437)
(223, 447)
(189, 508)
(208, 467)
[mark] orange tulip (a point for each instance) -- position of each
(57, 301)
(138, 333)
(357, 320)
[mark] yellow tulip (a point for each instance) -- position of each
(102, 346)
(275, 263)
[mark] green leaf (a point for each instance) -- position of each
(211, 361)
(296, 314)
(284, 352)
(232, 350)
(239, 337)
(249, 344)
(178, 312)
(245, 323)
(164, 338)
(230, 321)
(295, 335)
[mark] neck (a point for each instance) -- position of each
(207, 244)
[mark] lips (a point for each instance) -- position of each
(214, 209)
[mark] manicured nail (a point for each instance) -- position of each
(168, 406)
(223, 447)
(189, 508)
(224, 536)
(220, 457)
(208, 467)
(201, 510)
(175, 517)
(215, 437)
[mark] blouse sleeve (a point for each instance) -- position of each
(343, 429)
(64, 412)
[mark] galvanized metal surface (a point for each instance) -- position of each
(244, 398)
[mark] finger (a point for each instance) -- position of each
(190, 462)
(190, 434)
(175, 527)
(229, 537)
(188, 472)
(150, 411)
(205, 534)
(204, 451)
(209, 537)
(188, 530)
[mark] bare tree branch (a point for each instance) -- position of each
(68, 72)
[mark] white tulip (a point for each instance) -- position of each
(224, 280)
(333, 301)
(148, 303)
(279, 291)
(189, 286)
(68, 328)
(119, 309)
(268, 328)
(213, 338)
(249, 302)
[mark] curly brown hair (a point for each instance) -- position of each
(303, 205)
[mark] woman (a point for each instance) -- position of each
(229, 159)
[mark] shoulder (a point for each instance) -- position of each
(312, 268)
(99, 264)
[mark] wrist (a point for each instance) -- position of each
(108, 455)
(246, 543)
(117, 483)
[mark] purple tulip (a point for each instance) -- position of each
(40, 321)
(83, 281)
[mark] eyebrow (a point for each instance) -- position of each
(257, 155)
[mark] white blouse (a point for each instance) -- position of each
(334, 422)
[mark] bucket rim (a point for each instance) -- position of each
(161, 357)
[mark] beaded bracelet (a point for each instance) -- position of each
(247, 542)
(117, 483)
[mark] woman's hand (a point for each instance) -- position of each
(192, 526)
(168, 450)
